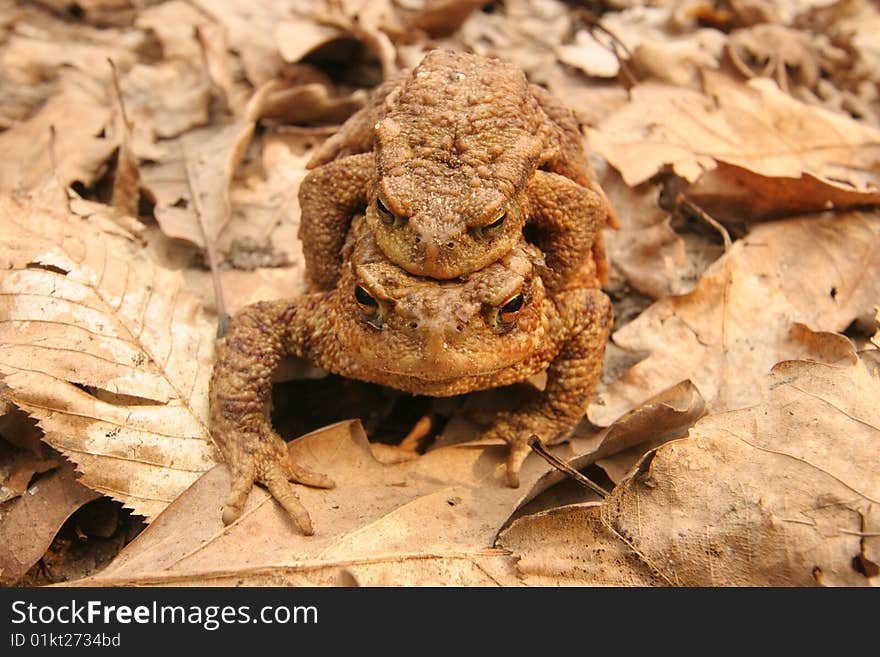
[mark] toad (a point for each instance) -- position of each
(450, 163)
(492, 327)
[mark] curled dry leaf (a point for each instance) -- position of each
(735, 195)
(782, 493)
(108, 351)
(755, 126)
(735, 324)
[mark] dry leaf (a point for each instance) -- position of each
(191, 184)
(429, 521)
(80, 153)
(569, 545)
(31, 522)
(736, 195)
(163, 101)
(41, 47)
(432, 520)
(250, 28)
(108, 351)
(735, 324)
(783, 493)
(754, 126)
(524, 33)
(175, 24)
(17, 468)
(651, 256)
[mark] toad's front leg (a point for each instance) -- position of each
(329, 197)
(240, 391)
(565, 221)
(571, 378)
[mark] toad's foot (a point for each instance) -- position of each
(516, 428)
(268, 462)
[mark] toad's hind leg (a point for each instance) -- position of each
(240, 390)
(356, 134)
(329, 197)
(571, 379)
(566, 219)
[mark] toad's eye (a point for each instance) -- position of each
(387, 216)
(508, 312)
(489, 230)
(365, 300)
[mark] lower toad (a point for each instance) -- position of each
(490, 328)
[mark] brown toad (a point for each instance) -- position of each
(492, 327)
(450, 162)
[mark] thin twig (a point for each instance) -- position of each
(698, 212)
(53, 160)
(118, 88)
(222, 315)
(616, 46)
(539, 448)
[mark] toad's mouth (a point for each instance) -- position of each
(443, 365)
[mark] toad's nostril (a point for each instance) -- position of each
(418, 240)
(450, 245)
(414, 325)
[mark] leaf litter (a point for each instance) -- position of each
(107, 324)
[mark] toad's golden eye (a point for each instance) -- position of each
(387, 216)
(489, 230)
(365, 300)
(508, 312)
(384, 213)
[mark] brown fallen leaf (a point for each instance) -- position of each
(80, 154)
(647, 251)
(108, 351)
(42, 46)
(17, 468)
(431, 520)
(191, 184)
(31, 522)
(262, 231)
(443, 17)
(18, 429)
(615, 449)
(735, 324)
(755, 126)
(250, 28)
(164, 100)
(736, 195)
(126, 178)
(570, 546)
(782, 493)
(666, 417)
(428, 521)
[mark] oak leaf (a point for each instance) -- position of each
(735, 325)
(754, 126)
(781, 493)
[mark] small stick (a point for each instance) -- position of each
(53, 159)
(538, 447)
(222, 315)
(700, 213)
